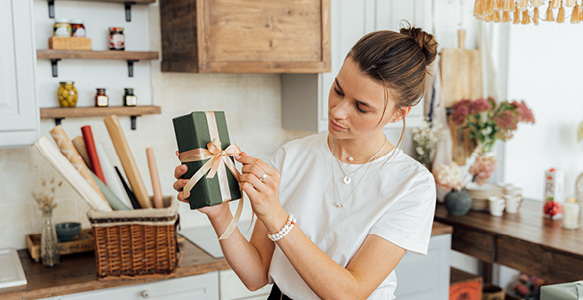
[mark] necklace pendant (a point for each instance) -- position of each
(339, 205)
(346, 179)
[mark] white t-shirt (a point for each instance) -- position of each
(395, 202)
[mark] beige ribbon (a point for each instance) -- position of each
(217, 158)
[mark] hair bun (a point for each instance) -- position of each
(425, 40)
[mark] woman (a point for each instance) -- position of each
(358, 202)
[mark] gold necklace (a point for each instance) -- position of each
(343, 203)
(348, 177)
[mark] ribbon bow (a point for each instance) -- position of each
(216, 159)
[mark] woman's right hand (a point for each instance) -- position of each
(211, 211)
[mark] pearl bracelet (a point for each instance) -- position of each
(291, 222)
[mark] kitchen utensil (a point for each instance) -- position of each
(127, 160)
(158, 203)
(461, 78)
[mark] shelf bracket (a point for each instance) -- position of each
(128, 6)
(51, 9)
(131, 67)
(54, 62)
(58, 121)
(134, 122)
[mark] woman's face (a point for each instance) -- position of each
(356, 103)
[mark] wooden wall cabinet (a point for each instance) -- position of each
(245, 36)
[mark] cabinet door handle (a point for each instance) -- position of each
(145, 294)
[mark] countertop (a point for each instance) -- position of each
(76, 273)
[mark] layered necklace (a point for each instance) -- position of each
(347, 177)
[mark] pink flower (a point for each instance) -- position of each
(483, 168)
(460, 112)
(524, 113)
(480, 105)
(506, 120)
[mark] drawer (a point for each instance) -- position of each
(200, 287)
(232, 288)
(473, 243)
(521, 255)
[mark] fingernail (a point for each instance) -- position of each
(238, 157)
(185, 181)
(182, 167)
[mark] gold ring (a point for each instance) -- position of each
(262, 178)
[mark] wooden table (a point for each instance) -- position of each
(525, 241)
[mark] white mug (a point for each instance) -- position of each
(512, 203)
(496, 206)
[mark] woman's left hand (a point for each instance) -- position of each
(261, 183)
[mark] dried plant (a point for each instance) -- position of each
(46, 197)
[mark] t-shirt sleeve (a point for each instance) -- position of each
(276, 161)
(407, 223)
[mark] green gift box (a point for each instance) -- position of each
(195, 131)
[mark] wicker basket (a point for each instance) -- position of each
(492, 292)
(135, 243)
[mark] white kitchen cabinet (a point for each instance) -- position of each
(19, 119)
(231, 288)
(199, 287)
(305, 96)
(422, 277)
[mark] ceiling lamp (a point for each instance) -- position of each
(527, 11)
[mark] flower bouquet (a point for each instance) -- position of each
(489, 122)
(425, 138)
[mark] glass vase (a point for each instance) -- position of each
(49, 251)
(484, 164)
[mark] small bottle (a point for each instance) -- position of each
(116, 38)
(62, 27)
(571, 214)
(129, 99)
(77, 28)
(101, 99)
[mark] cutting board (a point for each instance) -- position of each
(461, 73)
(461, 78)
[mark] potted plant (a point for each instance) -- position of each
(449, 178)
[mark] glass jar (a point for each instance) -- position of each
(49, 248)
(77, 28)
(67, 94)
(62, 27)
(116, 38)
(101, 99)
(129, 99)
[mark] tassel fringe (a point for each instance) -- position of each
(479, 8)
(535, 16)
(550, 17)
(489, 9)
(516, 17)
(508, 5)
(537, 3)
(555, 4)
(561, 14)
(575, 15)
(522, 4)
(506, 17)
(570, 3)
(525, 17)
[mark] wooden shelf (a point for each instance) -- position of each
(59, 113)
(130, 56)
(114, 55)
(127, 4)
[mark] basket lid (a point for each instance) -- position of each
(147, 216)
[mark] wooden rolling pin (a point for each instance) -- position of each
(127, 160)
(158, 201)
